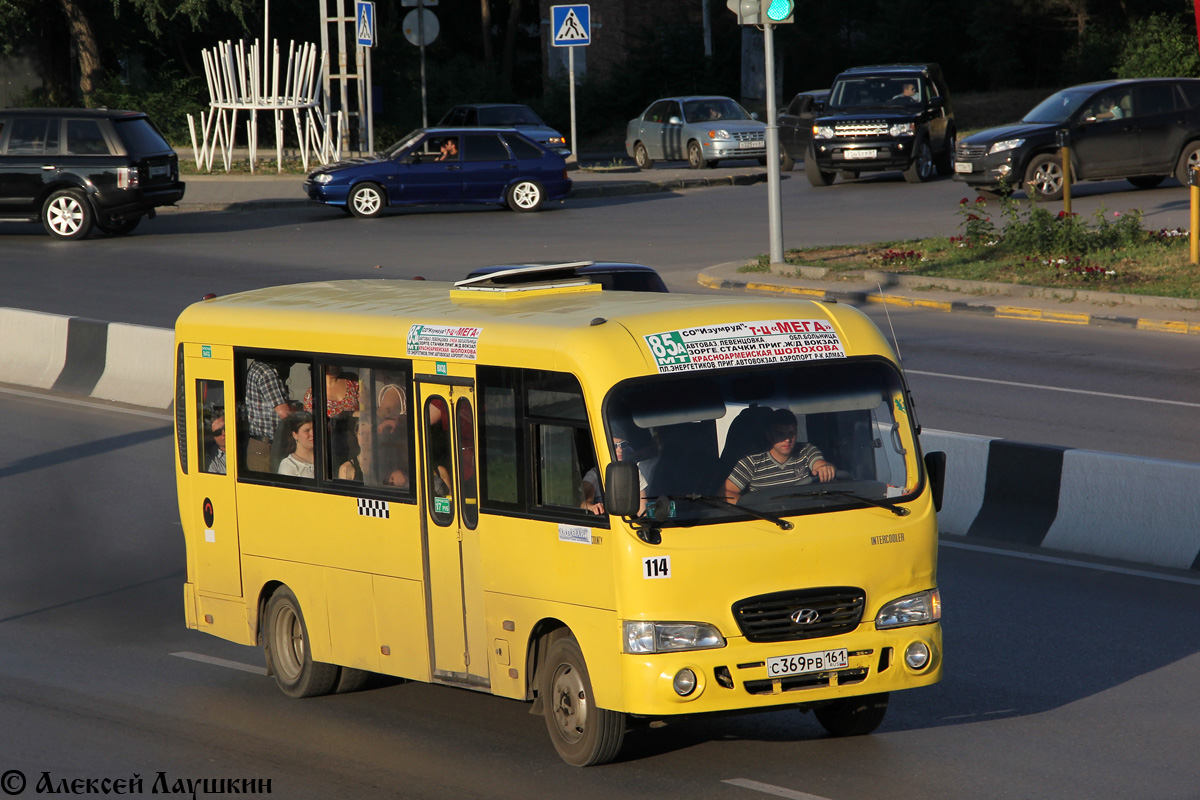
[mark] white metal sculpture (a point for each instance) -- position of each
(240, 80)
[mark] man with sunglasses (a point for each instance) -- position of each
(216, 464)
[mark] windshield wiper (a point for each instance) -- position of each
(719, 502)
(899, 511)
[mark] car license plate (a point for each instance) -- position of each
(853, 154)
(747, 145)
(782, 666)
(962, 166)
(160, 171)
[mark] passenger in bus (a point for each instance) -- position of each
(216, 464)
(593, 491)
(341, 393)
(266, 404)
(786, 461)
(299, 442)
(391, 405)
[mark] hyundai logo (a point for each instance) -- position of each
(805, 616)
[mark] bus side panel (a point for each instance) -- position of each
(400, 626)
(352, 637)
(225, 617)
(307, 582)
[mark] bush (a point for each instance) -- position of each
(1162, 45)
(167, 98)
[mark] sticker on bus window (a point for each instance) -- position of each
(574, 533)
(741, 344)
(441, 505)
(656, 567)
(443, 341)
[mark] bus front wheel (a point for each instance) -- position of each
(583, 734)
(853, 716)
(288, 654)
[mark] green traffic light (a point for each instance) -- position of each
(779, 10)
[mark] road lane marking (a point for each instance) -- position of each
(767, 788)
(1018, 384)
(222, 662)
(1070, 562)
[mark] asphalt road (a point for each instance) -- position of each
(1061, 680)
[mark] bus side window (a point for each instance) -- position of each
(269, 390)
(210, 415)
(500, 457)
(439, 480)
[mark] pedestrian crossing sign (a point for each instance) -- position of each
(364, 23)
(571, 26)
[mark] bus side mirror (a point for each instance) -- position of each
(935, 468)
(622, 490)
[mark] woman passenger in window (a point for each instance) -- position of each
(298, 439)
(341, 393)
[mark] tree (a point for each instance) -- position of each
(1160, 45)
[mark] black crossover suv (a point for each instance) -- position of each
(888, 117)
(75, 169)
(1143, 130)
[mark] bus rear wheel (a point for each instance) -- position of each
(853, 716)
(583, 734)
(288, 655)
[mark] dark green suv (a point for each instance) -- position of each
(75, 169)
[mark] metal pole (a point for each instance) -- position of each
(1194, 232)
(571, 77)
(421, 39)
(1066, 168)
(774, 203)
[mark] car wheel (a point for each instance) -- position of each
(67, 214)
(853, 716)
(288, 655)
(366, 200)
(945, 159)
(1044, 178)
(816, 175)
(583, 734)
(786, 162)
(642, 156)
(525, 196)
(921, 169)
(1188, 159)
(1147, 181)
(695, 155)
(122, 228)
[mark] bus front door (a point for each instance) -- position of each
(450, 531)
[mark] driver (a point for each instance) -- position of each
(786, 463)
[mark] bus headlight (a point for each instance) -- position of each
(916, 655)
(642, 636)
(921, 608)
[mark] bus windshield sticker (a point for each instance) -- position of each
(741, 344)
(574, 533)
(443, 341)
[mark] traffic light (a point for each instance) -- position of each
(749, 12)
(778, 12)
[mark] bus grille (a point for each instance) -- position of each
(769, 617)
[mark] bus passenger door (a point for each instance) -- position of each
(213, 512)
(449, 521)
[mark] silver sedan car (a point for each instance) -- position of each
(700, 130)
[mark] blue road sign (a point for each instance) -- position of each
(364, 23)
(571, 25)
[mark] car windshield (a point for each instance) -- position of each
(713, 108)
(404, 143)
(689, 433)
(508, 115)
(1058, 107)
(876, 91)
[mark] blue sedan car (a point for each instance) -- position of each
(445, 165)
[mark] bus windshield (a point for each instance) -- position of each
(767, 442)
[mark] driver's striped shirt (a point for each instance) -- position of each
(761, 470)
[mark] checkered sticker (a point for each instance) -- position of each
(373, 508)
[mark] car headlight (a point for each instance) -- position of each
(322, 177)
(662, 637)
(822, 131)
(557, 140)
(921, 608)
(1007, 144)
(902, 129)
(718, 134)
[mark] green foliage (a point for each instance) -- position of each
(1034, 229)
(976, 225)
(1161, 45)
(167, 98)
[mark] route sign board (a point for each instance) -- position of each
(571, 26)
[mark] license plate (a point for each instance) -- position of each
(160, 172)
(962, 166)
(853, 154)
(749, 145)
(782, 666)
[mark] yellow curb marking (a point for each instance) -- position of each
(1037, 314)
(1167, 326)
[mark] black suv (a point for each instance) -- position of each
(78, 168)
(1143, 130)
(888, 117)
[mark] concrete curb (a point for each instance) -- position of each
(73, 355)
(720, 277)
(1077, 501)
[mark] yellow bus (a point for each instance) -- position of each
(616, 506)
